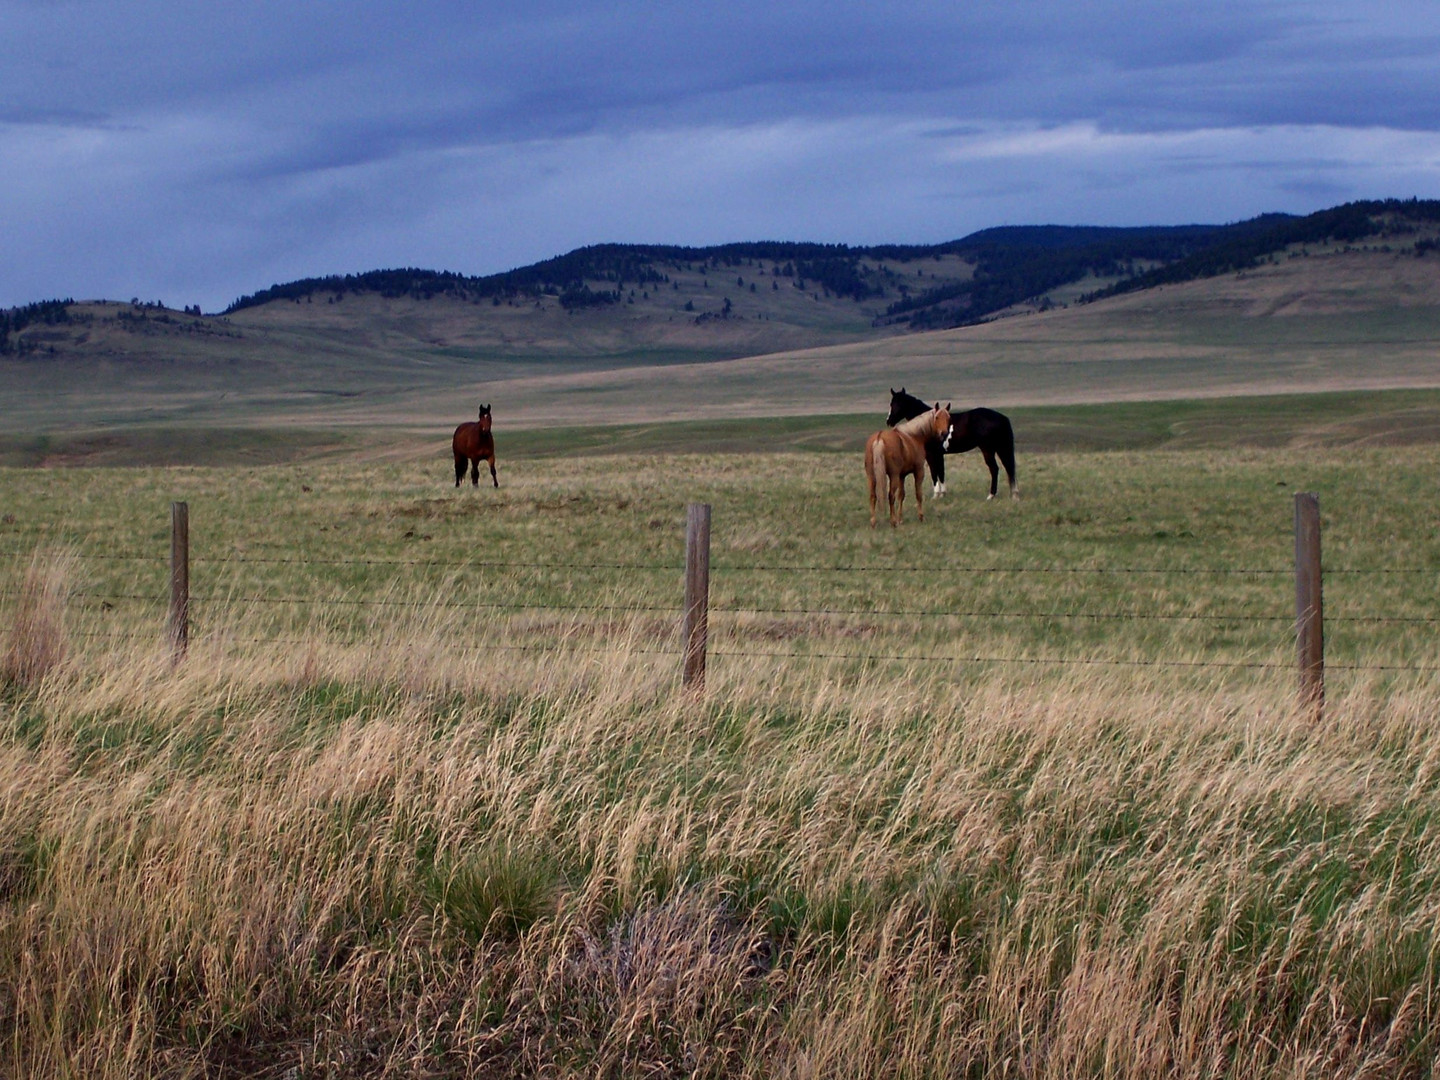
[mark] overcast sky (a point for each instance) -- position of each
(193, 152)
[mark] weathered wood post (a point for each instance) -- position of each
(1309, 604)
(178, 626)
(697, 595)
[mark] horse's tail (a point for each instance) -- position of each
(875, 459)
(1005, 451)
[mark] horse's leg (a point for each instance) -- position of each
(919, 491)
(870, 483)
(460, 464)
(1007, 458)
(897, 498)
(994, 472)
(494, 479)
(935, 454)
(475, 472)
(870, 480)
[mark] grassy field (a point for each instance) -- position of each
(1145, 549)
(1339, 419)
(1336, 419)
(1022, 790)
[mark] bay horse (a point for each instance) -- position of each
(895, 453)
(985, 428)
(471, 444)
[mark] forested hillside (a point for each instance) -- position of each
(747, 298)
(1393, 223)
(983, 274)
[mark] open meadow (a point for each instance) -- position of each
(1021, 791)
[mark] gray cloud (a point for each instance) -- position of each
(41, 116)
(194, 153)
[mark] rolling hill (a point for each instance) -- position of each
(1344, 300)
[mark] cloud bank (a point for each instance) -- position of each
(192, 153)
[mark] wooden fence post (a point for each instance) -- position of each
(697, 595)
(1309, 604)
(178, 627)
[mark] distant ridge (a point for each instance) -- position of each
(657, 303)
(1011, 264)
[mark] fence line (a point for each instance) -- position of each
(725, 609)
(696, 607)
(740, 567)
(1060, 661)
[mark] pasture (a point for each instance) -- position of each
(1021, 791)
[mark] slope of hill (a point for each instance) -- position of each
(731, 333)
(1335, 320)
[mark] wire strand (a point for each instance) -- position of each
(738, 567)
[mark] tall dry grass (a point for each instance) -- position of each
(36, 642)
(403, 860)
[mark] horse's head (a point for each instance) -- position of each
(897, 407)
(941, 423)
(484, 417)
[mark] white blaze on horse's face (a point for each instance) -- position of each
(949, 431)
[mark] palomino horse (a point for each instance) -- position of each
(985, 428)
(472, 444)
(898, 452)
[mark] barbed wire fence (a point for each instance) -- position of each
(692, 614)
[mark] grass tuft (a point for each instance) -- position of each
(37, 644)
(496, 892)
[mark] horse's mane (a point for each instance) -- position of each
(916, 426)
(912, 404)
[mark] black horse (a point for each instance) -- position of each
(985, 428)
